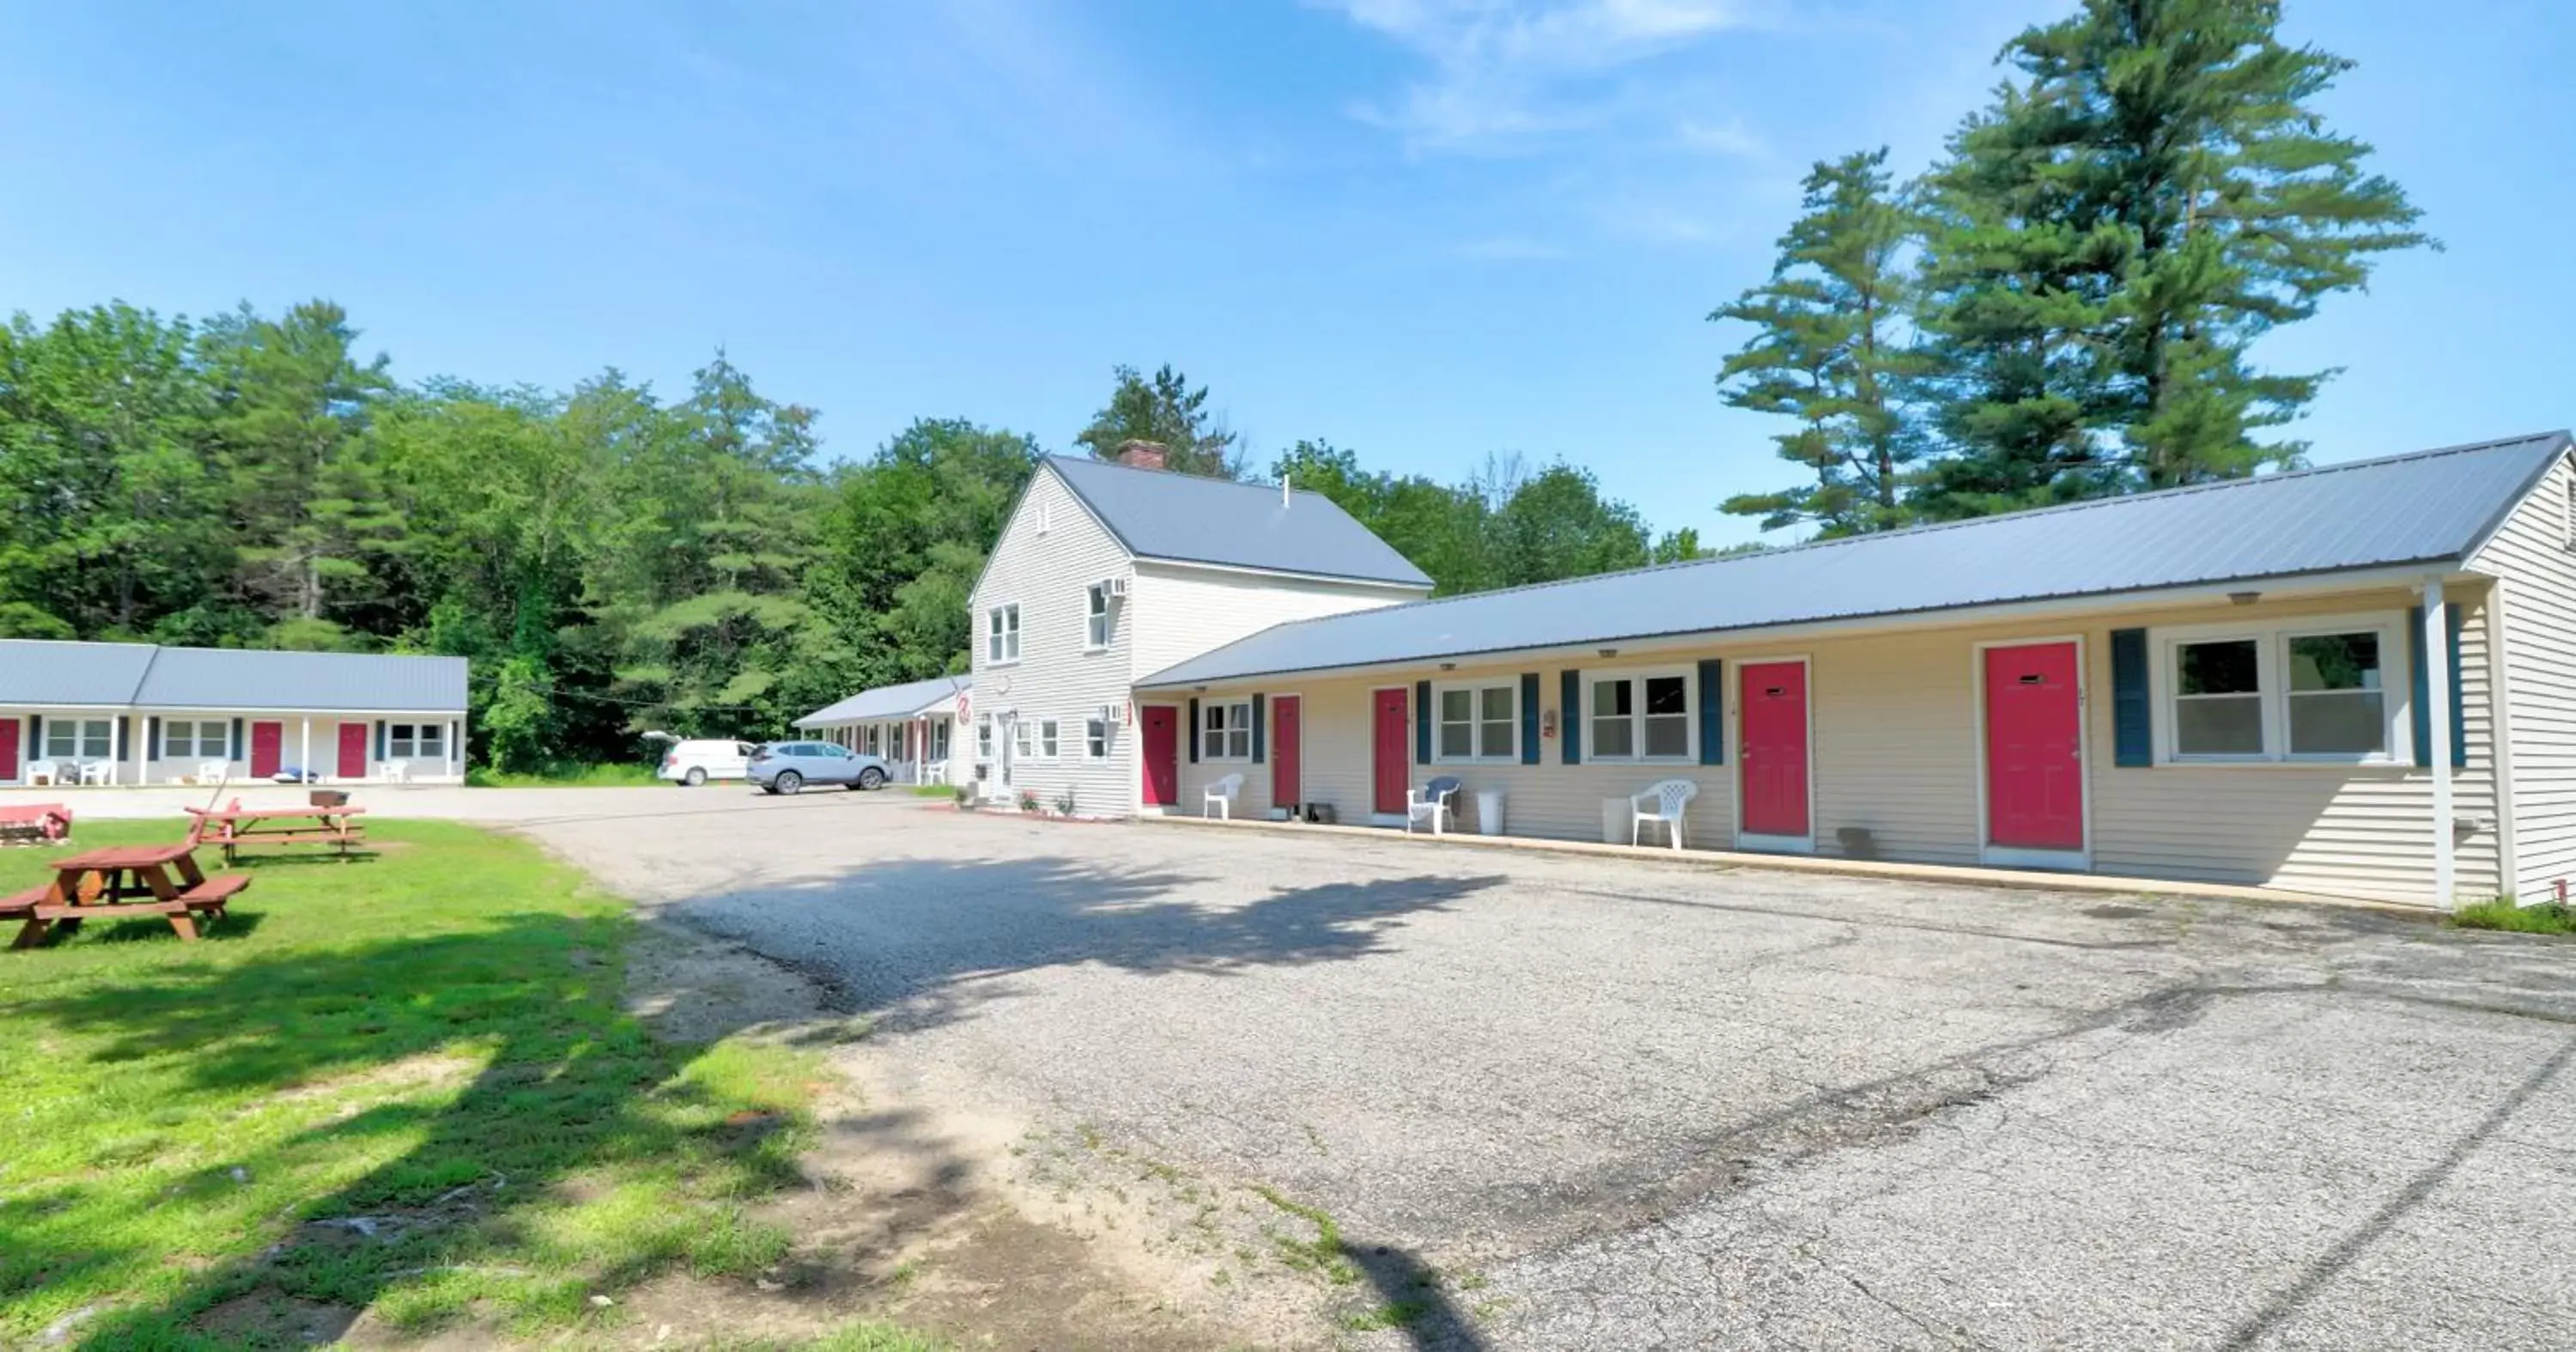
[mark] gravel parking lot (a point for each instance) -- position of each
(1648, 1105)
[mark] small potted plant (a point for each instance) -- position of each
(1029, 801)
(965, 796)
(1064, 803)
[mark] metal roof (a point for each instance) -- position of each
(2430, 506)
(140, 675)
(888, 702)
(1189, 518)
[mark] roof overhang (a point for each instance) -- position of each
(1412, 589)
(2289, 587)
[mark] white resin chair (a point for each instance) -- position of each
(94, 772)
(1661, 803)
(44, 772)
(1432, 803)
(393, 772)
(209, 772)
(1221, 796)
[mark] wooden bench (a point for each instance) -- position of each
(20, 905)
(39, 912)
(211, 894)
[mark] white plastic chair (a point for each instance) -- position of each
(209, 772)
(94, 772)
(1431, 803)
(1661, 803)
(1221, 796)
(44, 772)
(394, 772)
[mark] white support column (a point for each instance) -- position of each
(304, 756)
(2436, 648)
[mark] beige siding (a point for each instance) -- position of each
(1895, 751)
(1046, 573)
(1182, 611)
(2538, 580)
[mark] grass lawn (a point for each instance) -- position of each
(401, 1084)
(619, 776)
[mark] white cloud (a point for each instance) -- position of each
(1509, 73)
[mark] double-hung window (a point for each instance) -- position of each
(1095, 610)
(78, 739)
(1046, 739)
(1642, 715)
(196, 739)
(1002, 633)
(2308, 690)
(422, 741)
(1477, 722)
(984, 738)
(1095, 737)
(1228, 729)
(1023, 738)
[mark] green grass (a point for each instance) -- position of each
(2503, 914)
(429, 1042)
(930, 790)
(619, 776)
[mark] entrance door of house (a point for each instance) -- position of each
(1772, 705)
(2034, 753)
(1394, 760)
(1162, 727)
(9, 749)
(1287, 749)
(353, 751)
(266, 739)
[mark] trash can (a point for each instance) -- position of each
(1489, 812)
(1618, 816)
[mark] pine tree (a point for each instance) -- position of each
(1833, 349)
(2119, 230)
(1163, 408)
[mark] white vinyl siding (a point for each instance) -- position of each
(1475, 722)
(2530, 553)
(1177, 613)
(1059, 675)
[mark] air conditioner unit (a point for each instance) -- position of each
(1111, 713)
(1116, 586)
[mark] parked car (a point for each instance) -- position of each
(694, 763)
(787, 767)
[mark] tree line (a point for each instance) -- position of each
(2064, 306)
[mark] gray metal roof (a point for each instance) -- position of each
(41, 671)
(2431, 506)
(888, 702)
(1189, 518)
(140, 675)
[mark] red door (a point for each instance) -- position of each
(353, 751)
(2034, 748)
(1773, 699)
(265, 738)
(1162, 755)
(8, 748)
(1394, 758)
(1287, 749)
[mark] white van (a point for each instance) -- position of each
(694, 763)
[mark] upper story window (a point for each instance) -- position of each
(1228, 728)
(2313, 690)
(1477, 721)
(1644, 715)
(1002, 633)
(1095, 609)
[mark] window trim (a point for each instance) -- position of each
(1015, 633)
(1689, 677)
(80, 736)
(1049, 740)
(1090, 721)
(1212, 739)
(1097, 595)
(2271, 638)
(1476, 720)
(197, 740)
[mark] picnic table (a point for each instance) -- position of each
(235, 826)
(35, 823)
(122, 880)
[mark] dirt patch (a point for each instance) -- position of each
(412, 1072)
(264, 1318)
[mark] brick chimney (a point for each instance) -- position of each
(1143, 454)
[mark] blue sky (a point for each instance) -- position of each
(1423, 229)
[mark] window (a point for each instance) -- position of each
(939, 740)
(2316, 691)
(1095, 631)
(1023, 738)
(1095, 737)
(1645, 716)
(78, 739)
(1047, 739)
(1002, 633)
(1477, 722)
(1229, 731)
(421, 741)
(196, 739)
(984, 738)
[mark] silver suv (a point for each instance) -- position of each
(787, 767)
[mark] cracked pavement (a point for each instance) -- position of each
(1641, 1105)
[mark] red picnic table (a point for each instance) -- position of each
(235, 826)
(122, 880)
(27, 823)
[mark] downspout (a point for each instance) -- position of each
(2437, 693)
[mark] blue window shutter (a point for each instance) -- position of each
(36, 735)
(1569, 716)
(2418, 698)
(152, 739)
(1712, 711)
(1194, 732)
(1529, 718)
(2133, 725)
(233, 749)
(380, 743)
(1422, 722)
(124, 730)
(1260, 731)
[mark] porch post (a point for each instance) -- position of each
(2436, 648)
(304, 752)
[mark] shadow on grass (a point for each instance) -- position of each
(575, 1154)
